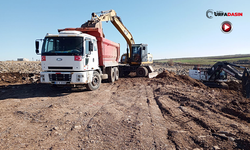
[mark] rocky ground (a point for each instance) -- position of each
(20, 66)
(171, 111)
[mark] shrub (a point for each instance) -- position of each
(170, 62)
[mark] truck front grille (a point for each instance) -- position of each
(60, 67)
(60, 77)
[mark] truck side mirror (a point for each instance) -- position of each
(37, 47)
(91, 46)
(143, 48)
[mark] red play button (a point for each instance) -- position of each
(226, 27)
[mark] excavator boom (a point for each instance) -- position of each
(110, 15)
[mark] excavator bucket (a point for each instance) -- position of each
(92, 24)
(246, 82)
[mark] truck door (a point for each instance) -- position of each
(91, 58)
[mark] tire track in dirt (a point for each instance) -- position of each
(129, 120)
(115, 123)
(194, 115)
(110, 126)
(98, 100)
(159, 132)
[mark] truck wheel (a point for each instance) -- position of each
(116, 73)
(96, 82)
(111, 75)
(141, 72)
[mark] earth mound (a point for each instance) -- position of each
(171, 76)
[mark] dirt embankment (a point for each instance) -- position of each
(18, 78)
(168, 112)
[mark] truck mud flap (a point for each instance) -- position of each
(104, 76)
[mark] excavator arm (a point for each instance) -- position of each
(227, 67)
(231, 70)
(111, 16)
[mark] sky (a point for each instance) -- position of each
(172, 29)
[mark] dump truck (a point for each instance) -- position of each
(77, 57)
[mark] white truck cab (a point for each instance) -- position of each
(70, 58)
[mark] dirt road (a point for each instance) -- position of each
(169, 112)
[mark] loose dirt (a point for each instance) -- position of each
(168, 112)
(16, 77)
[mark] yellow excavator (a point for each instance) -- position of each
(137, 59)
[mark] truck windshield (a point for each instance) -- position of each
(62, 46)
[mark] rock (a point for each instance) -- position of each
(202, 136)
(77, 127)
(226, 133)
(234, 125)
(222, 136)
(216, 147)
(182, 109)
(231, 139)
(56, 128)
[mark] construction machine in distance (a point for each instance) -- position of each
(137, 59)
(219, 72)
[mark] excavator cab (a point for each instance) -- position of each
(139, 55)
(138, 51)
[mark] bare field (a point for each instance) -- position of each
(168, 112)
(239, 59)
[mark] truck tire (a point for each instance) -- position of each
(116, 73)
(96, 82)
(111, 75)
(141, 72)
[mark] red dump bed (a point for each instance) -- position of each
(108, 51)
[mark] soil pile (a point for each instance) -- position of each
(172, 77)
(234, 85)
